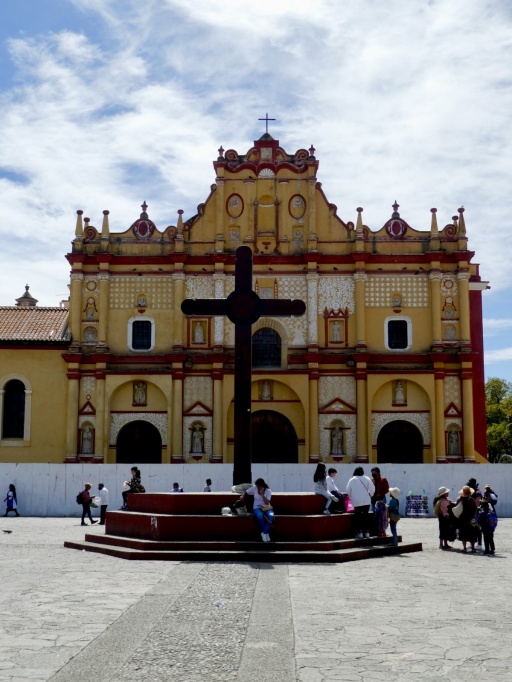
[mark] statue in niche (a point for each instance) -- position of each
(87, 438)
(142, 302)
(139, 393)
(453, 442)
(397, 301)
(336, 332)
(198, 333)
(90, 309)
(90, 335)
(266, 391)
(399, 394)
(337, 441)
(197, 439)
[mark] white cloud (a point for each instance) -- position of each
(498, 355)
(401, 100)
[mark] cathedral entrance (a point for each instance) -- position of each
(399, 442)
(273, 438)
(139, 442)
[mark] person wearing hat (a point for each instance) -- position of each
(468, 530)
(442, 505)
(490, 496)
(394, 512)
(86, 504)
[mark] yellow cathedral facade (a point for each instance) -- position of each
(385, 366)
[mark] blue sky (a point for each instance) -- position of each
(106, 103)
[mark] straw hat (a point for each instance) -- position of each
(466, 491)
(442, 491)
(394, 492)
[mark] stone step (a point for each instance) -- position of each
(241, 545)
(265, 552)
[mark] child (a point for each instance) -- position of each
(208, 487)
(11, 503)
(176, 488)
(394, 512)
(333, 489)
(487, 520)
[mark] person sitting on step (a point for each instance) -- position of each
(320, 486)
(262, 509)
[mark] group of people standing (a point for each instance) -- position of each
(471, 517)
(363, 492)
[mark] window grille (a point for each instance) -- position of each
(141, 335)
(266, 348)
(397, 334)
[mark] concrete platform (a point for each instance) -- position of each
(189, 527)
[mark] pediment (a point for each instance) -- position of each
(198, 409)
(337, 406)
(452, 411)
(87, 408)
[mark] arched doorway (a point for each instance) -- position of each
(399, 442)
(139, 442)
(273, 438)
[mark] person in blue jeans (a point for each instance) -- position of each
(394, 512)
(262, 508)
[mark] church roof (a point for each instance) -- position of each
(34, 324)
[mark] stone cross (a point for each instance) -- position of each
(243, 307)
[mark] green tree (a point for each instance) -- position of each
(498, 409)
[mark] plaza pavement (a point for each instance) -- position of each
(77, 616)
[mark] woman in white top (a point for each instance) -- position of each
(261, 511)
(320, 486)
(360, 489)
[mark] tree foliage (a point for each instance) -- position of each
(498, 410)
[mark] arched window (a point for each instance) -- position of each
(13, 418)
(266, 348)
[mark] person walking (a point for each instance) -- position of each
(103, 503)
(11, 501)
(360, 490)
(86, 504)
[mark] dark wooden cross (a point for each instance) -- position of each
(243, 307)
(266, 119)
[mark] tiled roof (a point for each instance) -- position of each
(34, 324)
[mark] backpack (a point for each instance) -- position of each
(79, 498)
(492, 520)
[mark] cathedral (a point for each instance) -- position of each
(386, 365)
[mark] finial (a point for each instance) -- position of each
(433, 225)
(144, 207)
(180, 220)
(266, 119)
(395, 208)
(105, 226)
(87, 221)
(221, 151)
(79, 229)
(311, 151)
(455, 219)
(462, 222)
(359, 225)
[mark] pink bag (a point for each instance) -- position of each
(349, 507)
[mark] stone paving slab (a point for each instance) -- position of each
(433, 615)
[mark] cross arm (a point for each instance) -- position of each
(282, 307)
(204, 306)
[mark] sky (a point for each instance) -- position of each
(107, 103)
